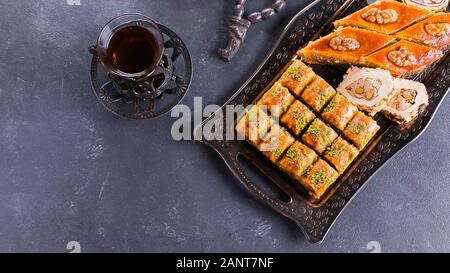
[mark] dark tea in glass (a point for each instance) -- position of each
(130, 46)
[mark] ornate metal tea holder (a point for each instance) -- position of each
(152, 97)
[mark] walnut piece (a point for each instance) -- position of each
(437, 29)
(381, 17)
(404, 99)
(342, 43)
(402, 57)
(365, 88)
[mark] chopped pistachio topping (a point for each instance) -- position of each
(315, 129)
(300, 119)
(291, 153)
(322, 95)
(275, 91)
(335, 150)
(320, 177)
(277, 152)
(307, 170)
(294, 73)
(331, 106)
(285, 104)
(356, 128)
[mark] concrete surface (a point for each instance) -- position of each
(71, 171)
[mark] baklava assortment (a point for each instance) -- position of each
(319, 134)
(374, 90)
(312, 131)
(402, 38)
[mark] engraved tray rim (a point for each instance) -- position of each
(316, 220)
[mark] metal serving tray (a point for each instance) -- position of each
(316, 218)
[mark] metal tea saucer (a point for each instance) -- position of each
(175, 76)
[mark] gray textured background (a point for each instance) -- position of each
(71, 171)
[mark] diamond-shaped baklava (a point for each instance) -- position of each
(277, 100)
(297, 77)
(318, 178)
(361, 129)
(433, 31)
(385, 16)
(344, 46)
(340, 154)
(319, 135)
(339, 111)
(317, 94)
(297, 159)
(404, 58)
(297, 117)
(275, 143)
(254, 125)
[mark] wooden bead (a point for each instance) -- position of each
(267, 13)
(255, 17)
(279, 5)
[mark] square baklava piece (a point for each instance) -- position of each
(319, 136)
(317, 94)
(275, 143)
(341, 154)
(277, 100)
(361, 130)
(297, 117)
(339, 111)
(297, 77)
(297, 159)
(254, 125)
(318, 178)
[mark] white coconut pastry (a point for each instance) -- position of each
(409, 98)
(368, 88)
(433, 5)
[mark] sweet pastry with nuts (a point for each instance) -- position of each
(339, 111)
(318, 178)
(277, 100)
(410, 97)
(254, 125)
(433, 31)
(433, 5)
(345, 46)
(297, 77)
(319, 136)
(367, 88)
(317, 94)
(341, 154)
(404, 58)
(385, 16)
(361, 129)
(297, 159)
(297, 117)
(275, 143)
